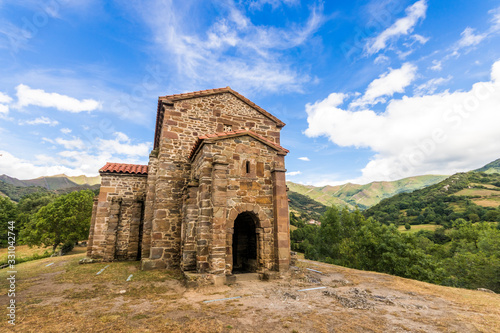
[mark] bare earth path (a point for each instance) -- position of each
(67, 297)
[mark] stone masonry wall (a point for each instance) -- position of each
(224, 190)
(118, 214)
(183, 122)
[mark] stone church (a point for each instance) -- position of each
(212, 199)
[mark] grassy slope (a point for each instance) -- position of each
(305, 207)
(66, 296)
(493, 167)
(82, 180)
(363, 195)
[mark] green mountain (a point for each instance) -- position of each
(304, 207)
(473, 196)
(363, 196)
(493, 167)
(57, 182)
(15, 193)
(16, 189)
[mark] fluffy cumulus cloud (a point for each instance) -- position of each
(402, 26)
(293, 173)
(4, 98)
(394, 81)
(438, 133)
(304, 159)
(27, 96)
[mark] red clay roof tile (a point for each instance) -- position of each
(125, 168)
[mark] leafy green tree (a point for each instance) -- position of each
(29, 205)
(65, 220)
(407, 226)
(8, 212)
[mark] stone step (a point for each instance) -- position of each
(247, 277)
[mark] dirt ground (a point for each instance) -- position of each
(59, 295)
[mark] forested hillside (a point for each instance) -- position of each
(304, 207)
(15, 189)
(465, 254)
(363, 196)
(473, 196)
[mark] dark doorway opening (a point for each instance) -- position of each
(244, 244)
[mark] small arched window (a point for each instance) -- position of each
(247, 165)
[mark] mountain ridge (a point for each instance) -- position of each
(15, 188)
(492, 167)
(363, 196)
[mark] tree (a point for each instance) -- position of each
(65, 220)
(8, 212)
(29, 205)
(407, 226)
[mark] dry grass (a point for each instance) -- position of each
(68, 297)
(477, 192)
(23, 251)
(489, 202)
(416, 228)
(484, 185)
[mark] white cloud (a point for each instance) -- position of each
(40, 121)
(122, 145)
(304, 159)
(402, 26)
(78, 157)
(259, 4)
(434, 134)
(393, 81)
(4, 110)
(293, 173)
(421, 39)
(65, 130)
(27, 96)
(75, 143)
(71, 163)
(469, 38)
(23, 169)
(381, 59)
(436, 65)
(495, 20)
(233, 50)
(430, 86)
(4, 98)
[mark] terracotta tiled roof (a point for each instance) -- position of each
(132, 169)
(225, 135)
(178, 97)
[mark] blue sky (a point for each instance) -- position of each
(369, 90)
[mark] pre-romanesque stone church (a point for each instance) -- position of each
(212, 198)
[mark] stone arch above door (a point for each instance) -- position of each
(263, 220)
(263, 228)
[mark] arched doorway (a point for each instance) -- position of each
(244, 244)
